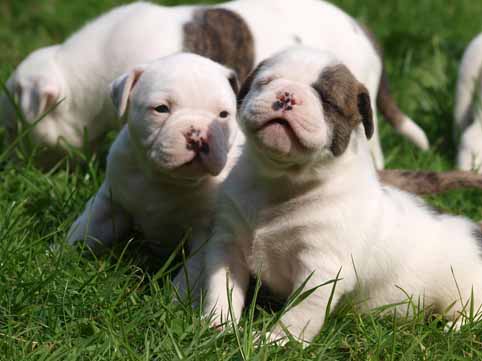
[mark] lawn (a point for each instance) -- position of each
(57, 305)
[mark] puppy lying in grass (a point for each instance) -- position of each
(468, 107)
(304, 206)
(164, 168)
(238, 34)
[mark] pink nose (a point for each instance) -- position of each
(196, 142)
(285, 101)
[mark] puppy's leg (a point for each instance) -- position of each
(470, 148)
(101, 223)
(227, 283)
(191, 278)
(305, 320)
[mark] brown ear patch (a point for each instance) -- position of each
(346, 103)
(222, 36)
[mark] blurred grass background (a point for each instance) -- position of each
(57, 305)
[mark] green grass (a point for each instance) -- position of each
(57, 305)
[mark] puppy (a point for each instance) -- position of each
(304, 206)
(468, 108)
(164, 167)
(238, 34)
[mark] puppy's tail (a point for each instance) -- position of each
(397, 119)
(389, 108)
(428, 182)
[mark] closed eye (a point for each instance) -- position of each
(264, 81)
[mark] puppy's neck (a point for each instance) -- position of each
(353, 167)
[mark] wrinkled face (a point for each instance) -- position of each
(182, 113)
(302, 105)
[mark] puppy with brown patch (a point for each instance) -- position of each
(238, 34)
(164, 168)
(304, 206)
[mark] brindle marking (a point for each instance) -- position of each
(427, 182)
(346, 103)
(222, 36)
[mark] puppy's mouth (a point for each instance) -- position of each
(279, 135)
(274, 122)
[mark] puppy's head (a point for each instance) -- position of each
(35, 86)
(182, 113)
(302, 105)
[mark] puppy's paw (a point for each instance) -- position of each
(470, 149)
(454, 326)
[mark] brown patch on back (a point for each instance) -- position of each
(222, 36)
(346, 103)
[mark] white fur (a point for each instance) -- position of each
(82, 67)
(323, 216)
(468, 108)
(147, 182)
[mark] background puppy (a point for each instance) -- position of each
(304, 206)
(165, 165)
(237, 34)
(468, 108)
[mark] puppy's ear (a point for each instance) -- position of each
(36, 96)
(121, 88)
(246, 87)
(346, 104)
(365, 109)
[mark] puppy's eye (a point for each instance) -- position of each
(264, 81)
(224, 114)
(162, 109)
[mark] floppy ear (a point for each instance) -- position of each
(121, 88)
(346, 104)
(365, 109)
(36, 97)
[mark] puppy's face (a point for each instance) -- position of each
(302, 105)
(37, 85)
(182, 113)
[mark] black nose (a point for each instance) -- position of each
(195, 142)
(284, 101)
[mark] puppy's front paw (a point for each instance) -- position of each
(470, 149)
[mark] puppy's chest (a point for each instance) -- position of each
(165, 215)
(282, 234)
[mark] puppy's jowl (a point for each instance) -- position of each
(304, 203)
(164, 167)
(238, 34)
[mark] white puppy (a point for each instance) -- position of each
(468, 108)
(164, 167)
(237, 34)
(304, 204)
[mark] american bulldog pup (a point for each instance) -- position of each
(164, 167)
(304, 206)
(468, 108)
(238, 34)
